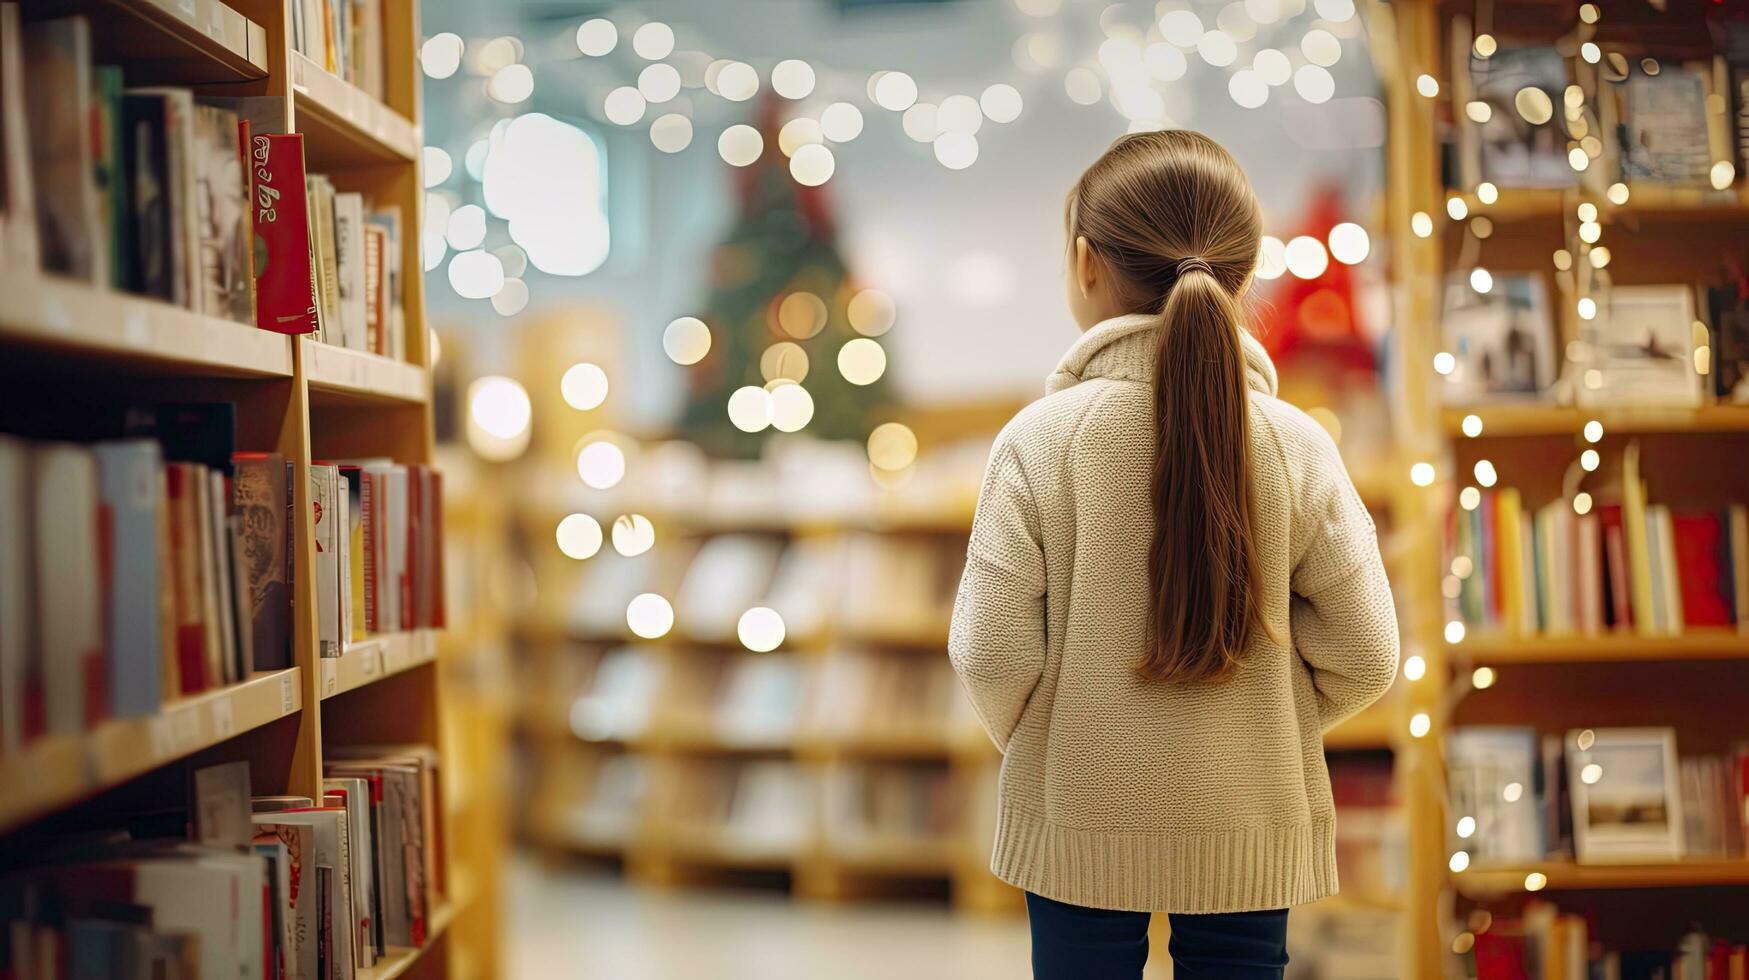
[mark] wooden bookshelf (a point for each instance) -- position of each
(71, 321)
(1567, 876)
(184, 42)
(1507, 421)
(1659, 234)
(60, 770)
(298, 398)
(1579, 648)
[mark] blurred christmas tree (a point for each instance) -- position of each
(778, 311)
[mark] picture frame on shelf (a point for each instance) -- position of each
(1516, 141)
(1661, 128)
(1627, 803)
(1502, 340)
(1641, 349)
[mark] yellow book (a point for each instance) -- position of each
(1509, 538)
(1633, 519)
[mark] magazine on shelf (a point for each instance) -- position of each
(1520, 143)
(1664, 132)
(1642, 346)
(1627, 801)
(1502, 340)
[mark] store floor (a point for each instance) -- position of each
(573, 921)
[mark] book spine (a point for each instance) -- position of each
(1637, 543)
(372, 532)
(285, 291)
(325, 516)
(262, 496)
(1739, 518)
(131, 487)
(1509, 528)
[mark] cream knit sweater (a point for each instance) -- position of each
(1122, 793)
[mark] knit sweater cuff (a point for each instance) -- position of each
(1240, 870)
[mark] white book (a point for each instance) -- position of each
(326, 519)
(349, 258)
(15, 574)
(363, 850)
(1671, 581)
(57, 104)
(201, 896)
(69, 610)
(236, 668)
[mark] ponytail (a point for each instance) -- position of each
(1202, 567)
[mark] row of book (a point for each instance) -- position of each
(1653, 120)
(169, 194)
(236, 885)
(1627, 566)
(1642, 345)
(1605, 795)
(130, 577)
(160, 563)
(857, 581)
(767, 699)
(1541, 942)
(343, 36)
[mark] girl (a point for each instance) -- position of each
(1172, 590)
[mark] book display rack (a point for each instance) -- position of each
(1569, 285)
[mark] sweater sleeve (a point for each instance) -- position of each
(997, 640)
(1343, 619)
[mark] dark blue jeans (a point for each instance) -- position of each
(1074, 943)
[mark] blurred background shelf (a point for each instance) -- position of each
(169, 41)
(345, 124)
(343, 374)
(1708, 644)
(1505, 421)
(1565, 876)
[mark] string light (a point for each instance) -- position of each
(1306, 257)
(1481, 280)
(1421, 474)
(892, 446)
(1420, 725)
(792, 408)
(1466, 827)
(659, 82)
(653, 41)
(623, 106)
(686, 341)
(1536, 881)
(1590, 232)
(1593, 431)
(583, 386)
(1482, 677)
(1472, 425)
(871, 312)
(1469, 498)
(671, 133)
(633, 534)
(1414, 668)
(1618, 193)
(1454, 631)
(1349, 243)
(499, 416)
(1577, 159)
(1485, 45)
(1512, 792)
(1563, 259)
(1456, 208)
(1459, 861)
(1462, 566)
(895, 91)
(578, 536)
(737, 81)
(597, 37)
(441, 55)
(1590, 52)
(760, 629)
(1485, 474)
(862, 361)
(1314, 83)
(1444, 363)
(1421, 224)
(1582, 503)
(1587, 308)
(1590, 774)
(1487, 193)
(1427, 85)
(1181, 27)
(1599, 256)
(649, 616)
(1723, 173)
(750, 408)
(1588, 460)
(792, 78)
(1479, 112)
(601, 465)
(812, 165)
(740, 145)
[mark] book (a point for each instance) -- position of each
(358, 553)
(1506, 825)
(1663, 134)
(181, 190)
(262, 500)
(18, 227)
(285, 277)
(131, 487)
(325, 518)
(302, 911)
(349, 264)
(221, 809)
(376, 299)
(1518, 142)
(1728, 337)
(57, 101)
(108, 173)
(354, 795)
(221, 216)
(69, 608)
(1502, 340)
(331, 857)
(17, 611)
(320, 200)
(394, 339)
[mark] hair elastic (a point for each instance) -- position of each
(1194, 262)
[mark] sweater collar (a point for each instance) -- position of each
(1125, 347)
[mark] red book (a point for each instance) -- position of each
(439, 618)
(285, 280)
(1701, 564)
(191, 662)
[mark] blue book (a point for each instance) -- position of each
(131, 487)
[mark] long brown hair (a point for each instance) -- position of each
(1176, 225)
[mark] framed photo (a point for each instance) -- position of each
(1517, 141)
(1502, 340)
(1642, 347)
(1627, 805)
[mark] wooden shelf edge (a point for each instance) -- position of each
(220, 43)
(350, 113)
(374, 658)
(1522, 420)
(1568, 876)
(398, 960)
(360, 374)
(67, 315)
(60, 770)
(1720, 644)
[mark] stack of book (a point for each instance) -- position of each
(237, 885)
(1604, 795)
(343, 36)
(138, 570)
(1628, 566)
(1540, 942)
(169, 194)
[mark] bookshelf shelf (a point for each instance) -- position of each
(704, 846)
(899, 633)
(57, 771)
(74, 319)
(344, 374)
(375, 658)
(894, 855)
(1713, 644)
(344, 123)
(1567, 876)
(401, 960)
(920, 743)
(1685, 203)
(1506, 421)
(179, 41)
(1374, 728)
